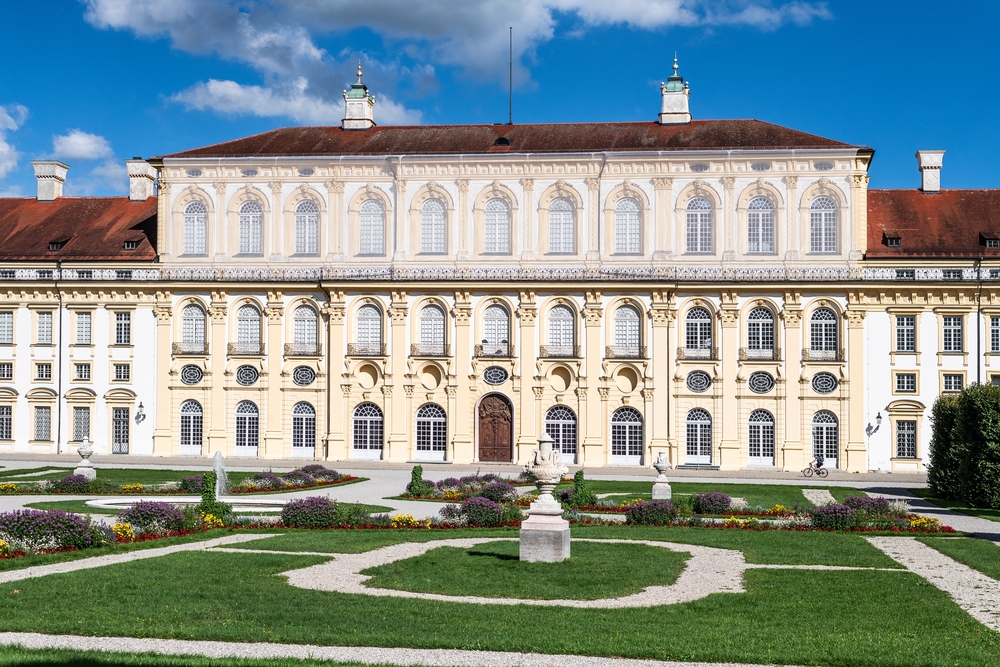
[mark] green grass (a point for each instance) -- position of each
(763, 495)
(17, 655)
(17, 472)
(493, 570)
(81, 507)
(978, 554)
(957, 505)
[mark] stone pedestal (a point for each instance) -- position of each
(544, 539)
(661, 487)
(86, 468)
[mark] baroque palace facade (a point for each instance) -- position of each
(730, 292)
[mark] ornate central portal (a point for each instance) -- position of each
(495, 429)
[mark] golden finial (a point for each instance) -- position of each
(359, 69)
(675, 64)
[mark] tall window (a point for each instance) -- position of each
(825, 435)
(306, 324)
(44, 333)
(6, 327)
(371, 232)
(627, 332)
(823, 334)
(6, 423)
(119, 430)
(699, 225)
(83, 328)
(906, 333)
(496, 237)
(432, 227)
(560, 424)
(626, 433)
(307, 228)
(432, 330)
(760, 332)
(995, 334)
(760, 225)
(627, 228)
(562, 223)
(761, 436)
(368, 427)
(699, 436)
(195, 229)
(251, 225)
(952, 326)
(123, 328)
(248, 330)
(247, 424)
(698, 332)
(432, 428)
(191, 420)
(369, 330)
(43, 422)
(496, 330)
(193, 329)
(823, 225)
(303, 426)
(562, 336)
(906, 439)
(81, 422)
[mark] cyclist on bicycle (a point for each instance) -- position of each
(817, 462)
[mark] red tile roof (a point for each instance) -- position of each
(533, 138)
(94, 228)
(952, 223)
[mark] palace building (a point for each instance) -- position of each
(728, 291)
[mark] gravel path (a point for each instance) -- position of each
(981, 528)
(818, 496)
(368, 655)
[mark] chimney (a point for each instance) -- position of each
(141, 176)
(675, 95)
(930, 170)
(359, 106)
(51, 175)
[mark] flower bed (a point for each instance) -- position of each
(188, 486)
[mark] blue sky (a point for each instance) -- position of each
(95, 82)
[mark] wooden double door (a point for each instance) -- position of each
(496, 429)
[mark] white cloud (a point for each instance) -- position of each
(109, 173)
(11, 118)
(80, 145)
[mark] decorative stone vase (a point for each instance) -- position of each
(661, 487)
(545, 534)
(86, 468)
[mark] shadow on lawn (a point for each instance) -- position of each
(921, 506)
(489, 554)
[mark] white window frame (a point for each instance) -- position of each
(760, 226)
(496, 227)
(368, 429)
(43, 332)
(433, 227)
(307, 228)
(303, 428)
(247, 433)
(562, 227)
(698, 436)
(627, 436)
(123, 327)
(192, 423)
(760, 438)
(196, 229)
(431, 432)
(84, 327)
(906, 333)
(952, 334)
(823, 225)
(6, 327)
(371, 228)
(251, 228)
(906, 439)
(628, 227)
(81, 422)
(42, 426)
(369, 330)
(248, 323)
(760, 330)
(699, 226)
(561, 425)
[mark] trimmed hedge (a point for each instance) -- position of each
(943, 470)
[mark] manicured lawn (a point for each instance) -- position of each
(81, 507)
(594, 571)
(18, 472)
(16, 655)
(957, 505)
(978, 554)
(763, 495)
(123, 475)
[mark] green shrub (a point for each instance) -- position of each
(976, 445)
(351, 514)
(943, 475)
(582, 496)
(209, 505)
(510, 513)
(419, 486)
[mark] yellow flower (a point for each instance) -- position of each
(123, 532)
(8, 488)
(4, 548)
(630, 503)
(409, 521)
(211, 521)
(777, 509)
(925, 523)
(131, 488)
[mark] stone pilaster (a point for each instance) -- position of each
(593, 439)
(218, 440)
(793, 456)
(856, 450)
(792, 211)
(274, 436)
(398, 445)
(163, 444)
(593, 219)
(662, 320)
(334, 236)
(335, 442)
(464, 447)
(400, 238)
(529, 245)
(463, 219)
(662, 213)
(730, 233)
(731, 453)
(277, 244)
(527, 315)
(221, 230)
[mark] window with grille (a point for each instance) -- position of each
(952, 274)
(44, 274)
(906, 439)
(6, 327)
(760, 330)
(191, 424)
(699, 433)
(496, 329)
(193, 329)
(760, 225)
(953, 382)
(248, 330)
(123, 372)
(123, 274)
(82, 371)
(369, 330)
(432, 330)
(43, 371)
(43, 422)
(7, 274)
(823, 225)
(251, 228)
(699, 225)
(119, 430)
(825, 435)
(306, 324)
(626, 432)
(303, 426)
(247, 424)
(952, 330)
(906, 382)
(368, 427)
(307, 228)
(6, 422)
(432, 227)
(195, 229)
(628, 232)
(432, 429)
(496, 232)
(81, 422)
(44, 332)
(761, 434)
(6, 371)
(627, 331)
(995, 334)
(83, 328)
(562, 226)
(371, 232)
(698, 329)
(906, 333)
(823, 330)
(906, 274)
(560, 424)
(562, 338)
(123, 328)
(85, 274)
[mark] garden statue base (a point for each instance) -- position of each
(86, 468)
(661, 487)
(544, 539)
(661, 490)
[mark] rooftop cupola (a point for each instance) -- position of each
(358, 106)
(675, 94)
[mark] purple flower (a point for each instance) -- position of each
(77, 483)
(499, 492)
(153, 517)
(192, 484)
(651, 513)
(449, 483)
(712, 503)
(833, 517)
(52, 529)
(875, 506)
(312, 512)
(481, 512)
(299, 478)
(267, 479)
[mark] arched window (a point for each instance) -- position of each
(369, 430)
(699, 436)
(371, 228)
(562, 334)
(251, 228)
(562, 223)
(496, 233)
(560, 424)
(303, 426)
(193, 330)
(628, 338)
(195, 229)
(699, 225)
(432, 429)
(760, 225)
(247, 427)
(432, 228)
(248, 330)
(823, 225)
(432, 331)
(307, 228)
(191, 427)
(761, 437)
(823, 335)
(760, 333)
(698, 334)
(628, 240)
(306, 335)
(825, 437)
(626, 435)
(496, 332)
(369, 331)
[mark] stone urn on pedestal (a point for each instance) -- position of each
(545, 534)
(86, 468)
(661, 487)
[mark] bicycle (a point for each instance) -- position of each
(820, 472)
